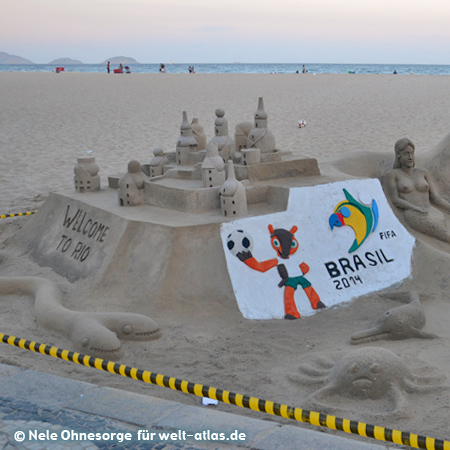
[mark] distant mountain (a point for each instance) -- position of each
(65, 61)
(120, 59)
(6, 58)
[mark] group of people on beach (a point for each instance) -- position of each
(119, 70)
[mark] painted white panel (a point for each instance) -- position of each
(336, 274)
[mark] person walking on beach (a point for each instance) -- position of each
(108, 67)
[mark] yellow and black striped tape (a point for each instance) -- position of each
(244, 401)
(28, 213)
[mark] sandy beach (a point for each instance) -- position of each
(47, 120)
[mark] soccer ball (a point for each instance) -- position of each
(239, 241)
(301, 123)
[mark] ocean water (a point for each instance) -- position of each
(269, 68)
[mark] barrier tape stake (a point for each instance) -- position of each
(244, 401)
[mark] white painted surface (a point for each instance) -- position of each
(382, 260)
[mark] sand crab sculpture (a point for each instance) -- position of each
(93, 333)
(373, 380)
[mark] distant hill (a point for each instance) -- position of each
(120, 59)
(65, 61)
(6, 58)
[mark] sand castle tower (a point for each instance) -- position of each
(199, 134)
(86, 177)
(221, 139)
(260, 136)
(131, 185)
(241, 133)
(159, 160)
(186, 143)
(233, 197)
(213, 167)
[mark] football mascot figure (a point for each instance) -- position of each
(292, 275)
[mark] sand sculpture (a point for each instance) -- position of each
(86, 177)
(131, 185)
(260, 136)
(376, 379)
(402, 322)
(439, 165)
(92, 333)
(414, 192)
(198, 133)
(224, 143)
(157, 163)
(187, 146)
(213, 167)
(194, 180)
(241, 132)
(233, 197)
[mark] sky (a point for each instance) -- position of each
(225, 31)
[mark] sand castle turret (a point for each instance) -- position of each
(186, 143)
(260, 136)
(199, 134)
(233, 197)
(241, 133)
(86, 177)
(213, 167)
(131, 185)
(221, 139)
(159, 160)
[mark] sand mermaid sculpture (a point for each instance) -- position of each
(414, 192)
(92, 333)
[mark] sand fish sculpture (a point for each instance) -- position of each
(361, 218)
(93, 333)
(402, 322)
(372, 379)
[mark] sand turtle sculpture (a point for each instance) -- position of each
(372, 379)
(92, 333)
(402, 322)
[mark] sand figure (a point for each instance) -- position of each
(86, 177)
(224, 142)
(414, 192)
(402, 322)
(439, 165)
(186, 143)
(159, 160)
(213, 167)
(241, 132)
(199, 134)
(260, 136)
(131, 185)
(92, 333)
(376, 379)
(233, 196)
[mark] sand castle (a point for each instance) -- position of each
(191, 178)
